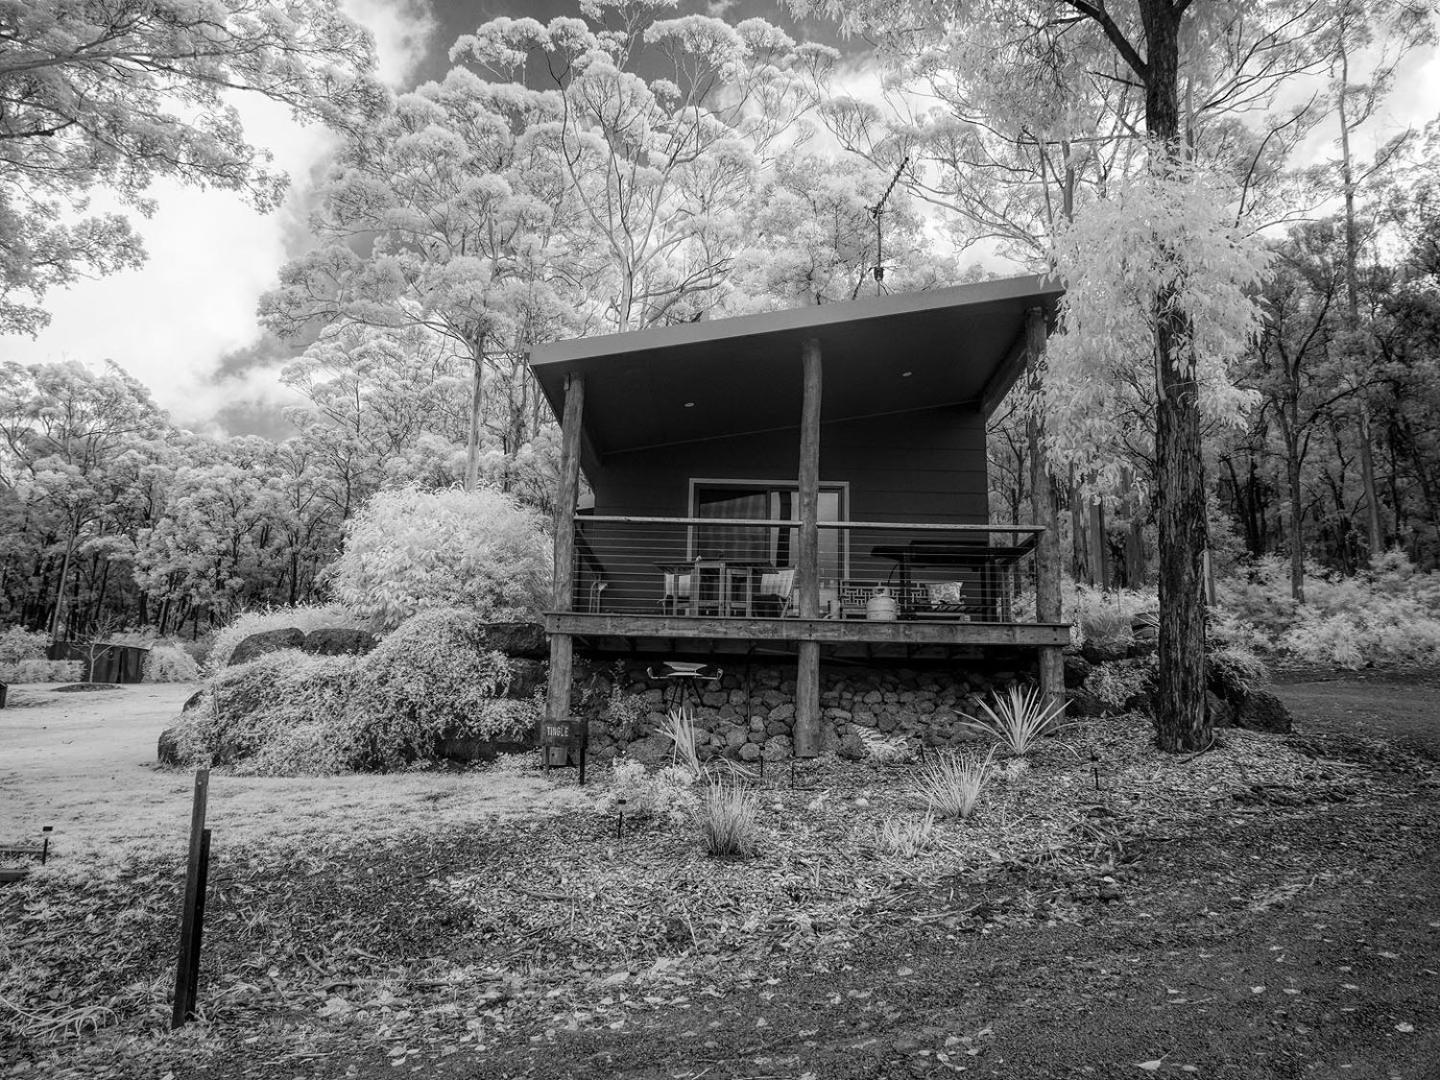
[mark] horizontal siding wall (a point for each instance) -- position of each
(926, 466)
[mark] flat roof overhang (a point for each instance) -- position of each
(959, 346)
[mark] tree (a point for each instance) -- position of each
(112, 94)
(1141, 45)
(411, 550)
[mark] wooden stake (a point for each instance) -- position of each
(192, 915)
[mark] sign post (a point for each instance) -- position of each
(563, 742)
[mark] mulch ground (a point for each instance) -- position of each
(1268, 910)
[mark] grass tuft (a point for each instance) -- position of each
(951, 784)
(1020, 718)
(679, 728)
(906, 837)
(729, 820)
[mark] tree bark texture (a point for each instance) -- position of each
(807, 565)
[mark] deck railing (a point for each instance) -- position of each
(745, 568)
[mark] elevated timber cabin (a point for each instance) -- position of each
(801, 481)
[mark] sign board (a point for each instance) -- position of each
(563, 743)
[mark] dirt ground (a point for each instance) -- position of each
(1284, 936)
(85, 763)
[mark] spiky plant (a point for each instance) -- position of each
(729, 820)
(950, 785)
(679, 728)
(1019, 718)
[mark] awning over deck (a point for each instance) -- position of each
(957, 346)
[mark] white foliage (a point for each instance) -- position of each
(1156, 236)
(410, 550)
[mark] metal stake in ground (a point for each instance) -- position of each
(192, 915)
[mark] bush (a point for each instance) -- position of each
(1020, 718)
(729, 820)
(640, 795)
(950, 786)
(434, 676)
(43, 671)
(1387, 614)
(284, 713)
(410, 550)
(1120, 682)
(170, 663)
(18, 644)
(305, 617)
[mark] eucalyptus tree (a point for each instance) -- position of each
(113, 94)
(1157, 275)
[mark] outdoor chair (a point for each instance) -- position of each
(776, 596)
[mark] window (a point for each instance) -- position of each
(765, 544)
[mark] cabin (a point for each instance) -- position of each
(808, 485)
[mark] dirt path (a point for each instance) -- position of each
(85, 763)
(1400, 708)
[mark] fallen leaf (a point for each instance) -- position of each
(1150, 1066)
(1404, 1028)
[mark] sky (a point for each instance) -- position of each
(185, 323)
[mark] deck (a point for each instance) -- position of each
(706, 585)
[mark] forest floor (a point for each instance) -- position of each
(1268, 909)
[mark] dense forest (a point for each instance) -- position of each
(668, 170)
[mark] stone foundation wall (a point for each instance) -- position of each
(750, 714)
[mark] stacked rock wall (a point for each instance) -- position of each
(750, 713)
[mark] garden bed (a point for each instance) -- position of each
(528, 940)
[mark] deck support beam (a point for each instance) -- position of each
(1047, 549)
(807, 564)
(562, 645)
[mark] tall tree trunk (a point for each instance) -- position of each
(477, 402)
(64, 573)
(1294, 536)
(1374, 533)
(1181, 719)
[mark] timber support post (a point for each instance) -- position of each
(562, 646)
(807, 564)
(1048, 606)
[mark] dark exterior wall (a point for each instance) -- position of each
(924, 466)
(915, 467)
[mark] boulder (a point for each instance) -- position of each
(1103, 652)
(1081, 704)
(167, 751)
(193, 701)
(267, 641)
(651, 750)
(518, 639)
(750, 752)
(1077, 669)
(339, 642)
(777, 748)
(1221, 713)
(1263, 711)
(851, 748)
(469, 748)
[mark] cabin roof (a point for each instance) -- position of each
(889, 354)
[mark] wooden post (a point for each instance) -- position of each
(807, 564)
(1047, 550)
(562, 646)
(192, 915)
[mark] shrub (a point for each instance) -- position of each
(1019, 719)
(17, 644)
(304, 617)
(170, 663)
(729, 820)
(641, 795)
(1235, 670)
(951, 784)
(1120, 682)
(284, 713)
(886, 750)
(43, 671)
(434, 676)
(410, 550)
